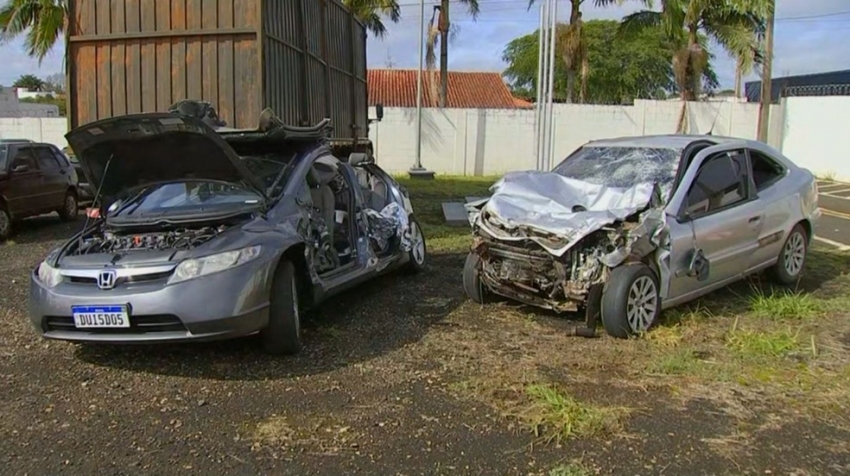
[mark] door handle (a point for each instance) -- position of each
(754, 220)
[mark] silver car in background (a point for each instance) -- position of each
(624, 228)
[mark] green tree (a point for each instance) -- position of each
(687, 24)
(438, 34)
(49, 99)
(573, 50)
(41, 21)
(29, 81)
(619, 70)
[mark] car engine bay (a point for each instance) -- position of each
(180, 239)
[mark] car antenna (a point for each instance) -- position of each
(97, 194)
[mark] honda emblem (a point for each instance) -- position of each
(106, 279)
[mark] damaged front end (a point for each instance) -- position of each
(550, 241)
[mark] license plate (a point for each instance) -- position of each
(100, 316)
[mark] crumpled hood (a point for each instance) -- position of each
(552, 210)
(155, 147)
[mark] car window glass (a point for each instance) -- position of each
(46, 159)
(766, 170)
(23, 157)
(717, 185)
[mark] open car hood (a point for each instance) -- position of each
(155, 147)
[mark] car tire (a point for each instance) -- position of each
(418, 254)
(631, 302)
(282, 336)
(6, 224)
(792, 258)
(69, 209)
(472, 280)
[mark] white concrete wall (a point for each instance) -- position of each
(40, 129)
(494, 141)
(816, 134)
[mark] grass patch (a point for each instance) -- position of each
(785, 305)
(760, 344)
(557, 416)
(571, 469)
(678, 362)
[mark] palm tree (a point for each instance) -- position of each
(439, 34)
(371, 13)
(688, 23)
(43, 22)
(750, 55)
(572, 47)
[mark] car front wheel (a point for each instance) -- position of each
(630, 301)
(472, 279)
(792, 259)
(282, 336)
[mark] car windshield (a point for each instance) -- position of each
(267, 167)
(187, 197)
(622, 167)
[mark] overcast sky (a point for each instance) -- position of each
(810, 38)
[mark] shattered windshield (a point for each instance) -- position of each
(622, 167)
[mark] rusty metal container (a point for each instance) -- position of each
(306, 59)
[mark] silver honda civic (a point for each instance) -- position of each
(207, 234)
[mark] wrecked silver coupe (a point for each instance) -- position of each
(207, 234)
(624, 228)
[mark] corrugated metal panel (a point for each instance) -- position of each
(130, 56)
(315, 55)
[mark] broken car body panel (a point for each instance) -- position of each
(545, 238)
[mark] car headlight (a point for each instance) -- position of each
(48, 275)
(197, 267)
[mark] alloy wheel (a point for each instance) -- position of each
(417, 243)
(642, 304)
(794, 254)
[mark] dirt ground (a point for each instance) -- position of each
(405, 376)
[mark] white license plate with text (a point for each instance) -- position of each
(100, 316)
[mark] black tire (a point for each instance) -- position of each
(69, 209)
(792, 257)
(282, 336)
(7, 228)
(418, 254)
(616, 296)
(472, 279)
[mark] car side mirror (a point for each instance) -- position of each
(21, 168)
(379, 111)
(699, 266)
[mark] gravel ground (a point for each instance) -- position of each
(374, 392)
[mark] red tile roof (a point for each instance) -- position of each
(397, 88)
(523, 104)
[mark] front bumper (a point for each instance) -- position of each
(223, 305)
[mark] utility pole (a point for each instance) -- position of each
(767, 77)
(417, 171)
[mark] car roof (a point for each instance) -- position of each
(668, 141)
(15, 141)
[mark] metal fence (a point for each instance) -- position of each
(818, 90)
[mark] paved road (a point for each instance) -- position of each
(834, 200)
